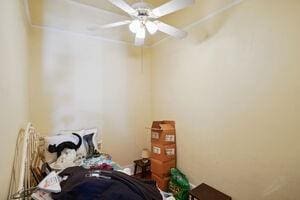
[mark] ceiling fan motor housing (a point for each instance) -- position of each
(143, 10)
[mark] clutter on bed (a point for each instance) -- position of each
(163, 151)
(83, 184)
(50, 184)
(86, 140)
(97, 161)
(97, 176)
(58, 148)
(68, 158)
(88, 156)
(86, 184)
(58, 139)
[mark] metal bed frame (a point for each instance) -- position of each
(27, 157)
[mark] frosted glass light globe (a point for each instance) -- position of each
(151, 27)
(135, 26)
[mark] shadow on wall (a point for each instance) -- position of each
(80, 82)
(204, 31)
(40, 100)
(59, 81)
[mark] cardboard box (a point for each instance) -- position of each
(163, 152)
(162, 169)
(155, 124)
(164, 135)
(162, 183)
(163, 132)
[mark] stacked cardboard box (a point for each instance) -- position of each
(163, 151)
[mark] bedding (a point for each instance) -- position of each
(82, 184)
(119, 186)
(34, 145)
(59, 138)
(93, 162)
(83, 133)
(67, 135)
(69, 160)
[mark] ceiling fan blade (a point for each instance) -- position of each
(139, 41)
(116, 24)
(124, 6)
(171, 6)
(171, 30)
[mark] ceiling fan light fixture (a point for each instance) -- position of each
(144, 18)
(135, 26)
(141, 33)
(151, 27)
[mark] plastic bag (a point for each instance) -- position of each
(179, 185)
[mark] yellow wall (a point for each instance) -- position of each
(13, 84)
(79, 82)
(233, 88)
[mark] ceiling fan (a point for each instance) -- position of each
(144, 18)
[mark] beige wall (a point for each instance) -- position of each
(79, 82)
(13, 83)
(233, 88)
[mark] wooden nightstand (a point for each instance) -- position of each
(205, 192)
(145, 166)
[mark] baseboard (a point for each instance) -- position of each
(192, 185)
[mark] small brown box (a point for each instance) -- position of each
(165, 134)
(162, 169)
(163, 152)
(162, 183)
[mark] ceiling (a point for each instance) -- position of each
(81, 16)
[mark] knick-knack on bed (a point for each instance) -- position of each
(52, 148)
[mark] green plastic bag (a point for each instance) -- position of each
(179, 185)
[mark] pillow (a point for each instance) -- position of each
(66, 135)
(81, 152)
(86, 136)
(57, 139)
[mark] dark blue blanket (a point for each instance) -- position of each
(83, 184)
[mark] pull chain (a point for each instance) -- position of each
(142, 59)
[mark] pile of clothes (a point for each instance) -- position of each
(78, 183)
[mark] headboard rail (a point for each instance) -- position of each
(27, 157)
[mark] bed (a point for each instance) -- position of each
(27, 163)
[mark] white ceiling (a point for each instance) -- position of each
(80, 15)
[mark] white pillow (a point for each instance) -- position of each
(57, 139)
(66, 135)
(81, 152)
